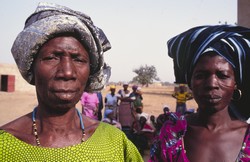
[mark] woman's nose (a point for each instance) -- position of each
(212, 81)
(66, 69)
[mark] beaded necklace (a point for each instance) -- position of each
(35, 127)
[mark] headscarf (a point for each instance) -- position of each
(112, 86)
(50, 20)
(230, 42)
(107, 112)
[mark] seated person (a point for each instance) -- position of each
(109, 118)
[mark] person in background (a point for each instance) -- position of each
(136, 97)
(110, 119)
(124, 93)
(126, 113)
(90, 103)
(162, 118)
(111, 102)
(181, 97)
(153, 120)
(214, 61)
(143, 133)
(100, 105)
(60, 51)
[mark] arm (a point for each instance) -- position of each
(174, 95)
(189, 96)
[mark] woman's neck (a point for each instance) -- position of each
(63, 121)
(214, 120)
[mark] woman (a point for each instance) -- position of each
(111, 102)
(125, 114)
(136, 96)
(110, 119)
(60, 51)
(214, 62)
(90, 102)
(181, 96)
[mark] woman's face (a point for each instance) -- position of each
(61, 71)
(213, 82)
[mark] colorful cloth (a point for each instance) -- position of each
(106, 144)
(168, 146)
(90, 104)
(51, 20)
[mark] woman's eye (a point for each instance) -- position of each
(222, 76)
(199, 76)
(79, 59)
(49, 58)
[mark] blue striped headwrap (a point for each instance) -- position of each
(230, 42)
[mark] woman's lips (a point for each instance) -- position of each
(212, 99)
(65, 94)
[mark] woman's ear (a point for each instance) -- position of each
(235, 86)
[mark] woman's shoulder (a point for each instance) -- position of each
(20, 124)
(94, 126)
(20, 127)
(109, 128)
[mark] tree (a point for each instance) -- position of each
(145, 75)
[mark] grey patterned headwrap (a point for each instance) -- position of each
(230, 42)
(50, 20)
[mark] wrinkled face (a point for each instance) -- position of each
(213, 82)
(61, 71)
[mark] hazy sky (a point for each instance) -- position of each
(137, 29)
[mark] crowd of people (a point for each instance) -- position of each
(61, 52)
(123, 108)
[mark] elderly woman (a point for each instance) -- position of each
(214, 61)
(60, 51)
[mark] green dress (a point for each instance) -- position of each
(106, 144)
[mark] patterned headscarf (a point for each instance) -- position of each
(230, 42)
(50, 20)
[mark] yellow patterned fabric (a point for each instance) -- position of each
(106, 144)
